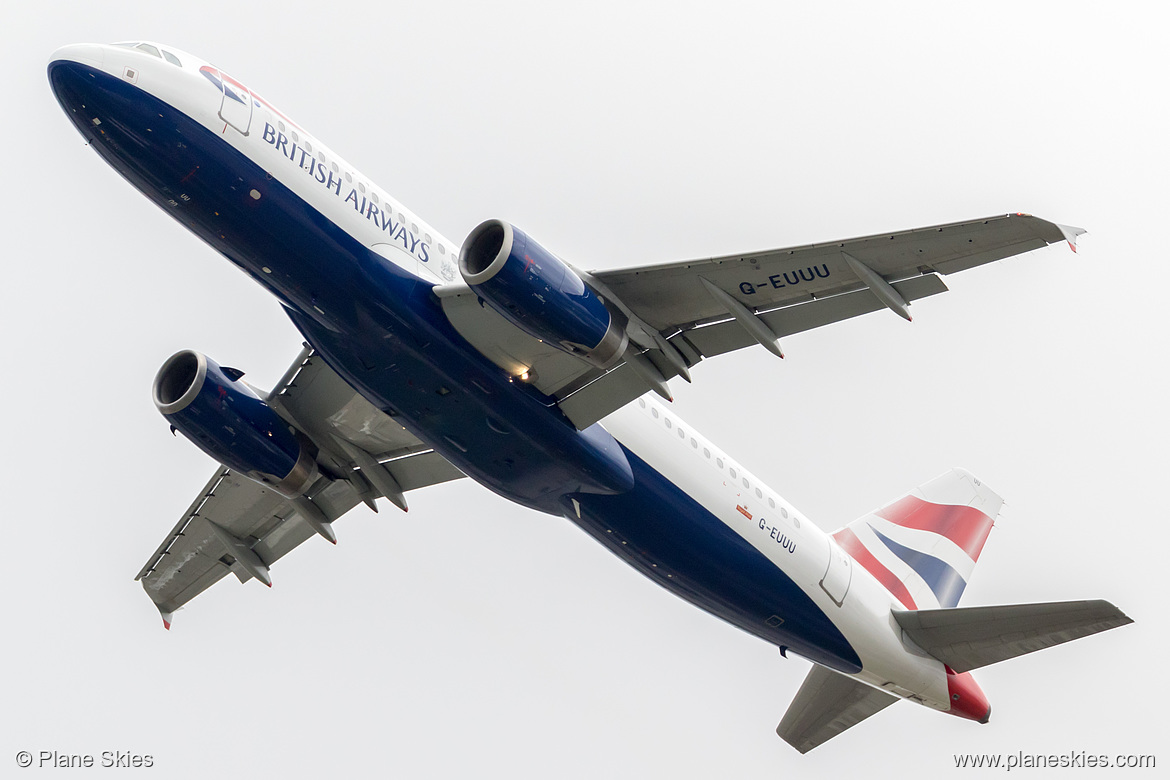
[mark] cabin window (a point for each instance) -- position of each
(771, 503)
(308, 147)
(719, 462)
(280, 125)
(694, 444)
(655, 413)
(426, 238)
(707, 453)
(668, 422)
(745, 482)
(348, 178)
(374, 197)
(681, 433)
(641, 401)
(732, 473)
(443, 251)
(414, 228)
(759, 493)
(296, 138)
(146, 47)
(361, 188)
(784, 513)
(171, 58)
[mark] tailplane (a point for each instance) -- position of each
(923, 547)
(828, 703)
(967, 638)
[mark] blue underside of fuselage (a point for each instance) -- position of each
(383, 331)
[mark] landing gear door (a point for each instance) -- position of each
(837, 575)
(236, 103)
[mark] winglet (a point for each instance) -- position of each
(1070, 234)
(166, 616)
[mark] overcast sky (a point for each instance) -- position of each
(473, 638)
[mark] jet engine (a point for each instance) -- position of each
(540, 294)
(226, 419)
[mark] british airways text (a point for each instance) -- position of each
(396, 231)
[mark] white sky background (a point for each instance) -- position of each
(472, 638)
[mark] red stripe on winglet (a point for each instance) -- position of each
(966, 526)
(852, 545)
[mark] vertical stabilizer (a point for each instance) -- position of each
(923, 547)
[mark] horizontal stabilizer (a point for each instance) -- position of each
(828, 703)
(966, 638)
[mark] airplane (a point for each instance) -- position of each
(425, 361)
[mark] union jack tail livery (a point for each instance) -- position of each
(923, 547)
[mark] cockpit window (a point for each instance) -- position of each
(171, 58)
(127, 44)
(146, 47)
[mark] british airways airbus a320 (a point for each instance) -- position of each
(427, 361)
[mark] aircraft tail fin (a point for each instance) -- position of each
(827, 704)
(966, 638)
(923, 547)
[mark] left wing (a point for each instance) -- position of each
(241, 527)
(679, 313)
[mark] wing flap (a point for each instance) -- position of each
(728, 336)
(827, 704)
(966, 638)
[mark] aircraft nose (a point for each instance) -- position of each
(90, 54)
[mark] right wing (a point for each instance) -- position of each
(828, 703)
(241, 527)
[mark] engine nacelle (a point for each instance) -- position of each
(227, 420)
(539, 294)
